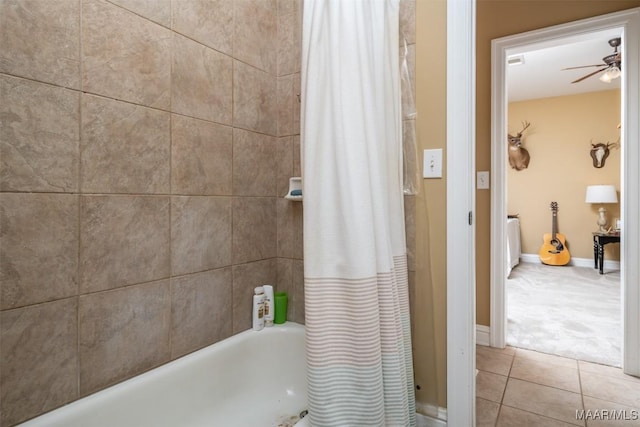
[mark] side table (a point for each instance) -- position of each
(599, 240)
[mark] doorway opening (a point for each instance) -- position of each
(627, 24)
(559, 110)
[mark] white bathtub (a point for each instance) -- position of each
(250, 379)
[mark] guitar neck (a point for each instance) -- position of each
(554, 225)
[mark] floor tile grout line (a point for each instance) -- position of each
(495, 424)
(543, 385)
(584, 407)
(546, 385)
(504, 392)
(609, 401)
(615, 378)
(539, 415)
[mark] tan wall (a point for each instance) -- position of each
(497, 18)
(430, 283)
(142, 167)
(559, 140)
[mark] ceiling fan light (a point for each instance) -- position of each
(610, 74)
(614, 72)
(605, 77)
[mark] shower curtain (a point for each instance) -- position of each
(358, 340)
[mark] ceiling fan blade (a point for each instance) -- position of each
(584, 66)
(589, 75)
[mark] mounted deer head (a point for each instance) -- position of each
(518, 155)
(600, 152)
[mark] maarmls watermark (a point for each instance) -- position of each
(607, 414)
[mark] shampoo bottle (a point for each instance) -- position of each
(258, 309)
(268, 305)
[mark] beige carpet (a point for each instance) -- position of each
(568, 311)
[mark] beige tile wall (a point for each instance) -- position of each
(408, 90)
(144, 151)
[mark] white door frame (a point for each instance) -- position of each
(629, 22)
(461, 284)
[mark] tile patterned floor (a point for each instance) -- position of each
(522, 388)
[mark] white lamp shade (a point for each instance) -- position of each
(601, 194)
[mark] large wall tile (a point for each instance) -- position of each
(254, 164)
(287, 101)
(408, 82)
(202, 81)
(38, 248)
(123, 240)
(124, 147)
(284, 270)
(245, 278)
(297, 159)
(256, 33)
(298, 291)
(412, 162)
(284, 158)
(255, 105)
(157, 10)
(38, 136)
(200, 234)
(289, 36)
(201, 312)
(407, 21)
(410, 230)
(123, 333)
(38, 359)
(208, 21)
(254, 229)
(290, 279)
(125, 56)
(289, 228)
(40, 40)
(201, 157)
(297, 81)
(412, 299)
(284, 283)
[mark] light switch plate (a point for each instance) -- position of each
(482, 180)
(432, 163)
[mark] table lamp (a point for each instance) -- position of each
(600, 194)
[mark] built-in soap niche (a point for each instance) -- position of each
(295, 189)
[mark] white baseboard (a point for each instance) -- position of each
(530, 258)
(483, 335)
(426, 421)
(430, 415)
(577, 262)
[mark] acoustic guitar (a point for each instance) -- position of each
(554, 249)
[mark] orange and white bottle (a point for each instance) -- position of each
(258, 309)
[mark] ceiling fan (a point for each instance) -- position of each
(611, 63)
